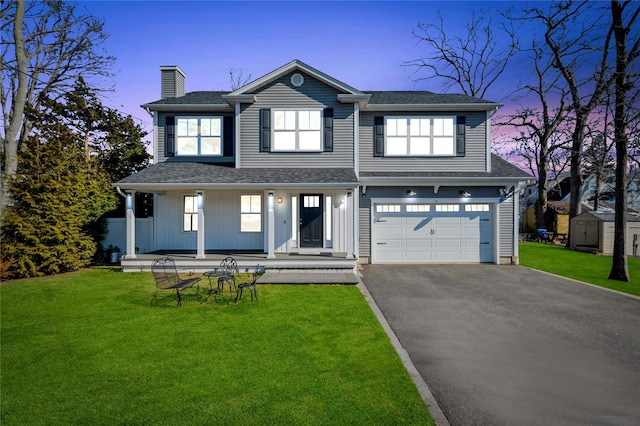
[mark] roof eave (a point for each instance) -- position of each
(155, 187)
(442, 181)
(434, 107)
(187, 107)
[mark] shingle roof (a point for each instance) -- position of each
(420, 97)
(194, 98)
(202, 173)
(611, 217)
(377, 98)
(499, 169)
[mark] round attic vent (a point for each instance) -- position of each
(297, 80)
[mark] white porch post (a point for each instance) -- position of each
(131, 226)
(350, 224)
(200, 234)
(271, 225)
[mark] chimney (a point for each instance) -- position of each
(171, 81)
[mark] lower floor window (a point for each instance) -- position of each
(190, 216)
(251, 213)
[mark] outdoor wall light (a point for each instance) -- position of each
(465, 193)
(279, 200)
(411, 193)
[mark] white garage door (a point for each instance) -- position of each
(438, 233)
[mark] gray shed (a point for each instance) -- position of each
(594, 231)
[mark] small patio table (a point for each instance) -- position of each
(219, 275)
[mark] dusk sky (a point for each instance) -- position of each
(361, 43)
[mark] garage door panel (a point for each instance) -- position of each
(418, 257)
(418, 243)
(433, 237)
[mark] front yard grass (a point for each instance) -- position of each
(586, 267)
(87, 348)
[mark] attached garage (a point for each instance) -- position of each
(437, 233)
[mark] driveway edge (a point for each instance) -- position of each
(428, 398)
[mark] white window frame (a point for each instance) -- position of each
(419, 136)
(190, 211)
(388, 208)
(254, 210)
(198, 135)
(293, 119)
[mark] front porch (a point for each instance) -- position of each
(286, 268)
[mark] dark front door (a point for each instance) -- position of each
(311, 220)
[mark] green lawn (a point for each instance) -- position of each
(87, 348)
(581, 266)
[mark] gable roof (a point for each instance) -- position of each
(295, 65)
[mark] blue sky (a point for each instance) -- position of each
(361, 43)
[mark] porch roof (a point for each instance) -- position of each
(501, 170)
(172, 175)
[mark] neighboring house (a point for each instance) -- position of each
(595, 231)
(556, 218)
(297, 167)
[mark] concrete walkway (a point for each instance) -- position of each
(506, 345)
(308, 277)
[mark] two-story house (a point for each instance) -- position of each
(297, 169)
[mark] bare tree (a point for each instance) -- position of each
(598, 154)
(46, 46)
(237, 79)
(577, 42)
(625, 56)
(472, 62)
(539, 139)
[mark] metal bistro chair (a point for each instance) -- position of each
(249, 285)
(167, 278)
(224, 273)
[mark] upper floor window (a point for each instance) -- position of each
(199, 136)
(420, 136)
(297, 130)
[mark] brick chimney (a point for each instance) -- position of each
(171, 81)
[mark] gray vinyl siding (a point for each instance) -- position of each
(171, 84)
(505, 212)
(282, 94)
(222, 222)
(445, 194)
(159, 132)
(474, 160)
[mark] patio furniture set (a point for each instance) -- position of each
(167, 278)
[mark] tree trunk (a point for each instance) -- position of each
(541, 204)
(12, 131)
(575, 180)
(619, 267)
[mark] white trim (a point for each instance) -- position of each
(356, 139)
(156, 147)
(237, 136)
(200, 232)
(131, 225)
(488, 141)
(494, 203)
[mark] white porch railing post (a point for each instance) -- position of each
(131, 226)
(200, 254)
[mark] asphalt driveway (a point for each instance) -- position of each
(502, 345)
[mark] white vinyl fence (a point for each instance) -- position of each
(117, 234)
